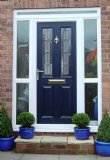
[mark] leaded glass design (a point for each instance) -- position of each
(47, 51)
(65, 51)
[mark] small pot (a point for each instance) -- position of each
(26, 133)
(102, 148)
(6, 144)
(82, 134)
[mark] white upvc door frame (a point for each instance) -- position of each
(51, 15)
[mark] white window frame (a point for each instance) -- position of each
(56, 15)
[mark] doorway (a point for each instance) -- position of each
(56, 72)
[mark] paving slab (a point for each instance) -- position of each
(78, 157)
(39, 157)
(73, 140)
(103, 158)
(55, 139)
(10, 156)
(36, 139)
(19, 156)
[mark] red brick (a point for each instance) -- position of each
(72, 151)
(45, 146)
(73, 146)
(58, 146)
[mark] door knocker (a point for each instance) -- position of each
(56, 40)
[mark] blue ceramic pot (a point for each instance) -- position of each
(82, 134)
(6, 144)
(27, 133)
(102, 148)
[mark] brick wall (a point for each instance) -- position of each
(6, 41)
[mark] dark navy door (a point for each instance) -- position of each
(56, 72)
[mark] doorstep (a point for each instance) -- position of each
(55, 145)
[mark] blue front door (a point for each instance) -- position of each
(56, 72)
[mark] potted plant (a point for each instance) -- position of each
(26, 130)
(102, 141)
(6, 131)
(81, 131)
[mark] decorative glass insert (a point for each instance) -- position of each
(91, 100)
(22, 97)
(47, 51)
(65, 51)
(22, 49)
(90, 48)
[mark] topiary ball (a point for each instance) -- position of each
(81, 120)
(25, 119)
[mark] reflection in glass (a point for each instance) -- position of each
(47, 51)
(91, 100)
(90, 46)
(22, 97)
(65, 51)
(22, 49)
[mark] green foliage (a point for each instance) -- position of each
(25, 119)
(6, 129)
(81, 120)
(103, 133)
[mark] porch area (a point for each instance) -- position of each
(49, 144)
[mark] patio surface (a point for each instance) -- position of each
(18, 156)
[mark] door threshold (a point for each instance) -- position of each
(60, 128)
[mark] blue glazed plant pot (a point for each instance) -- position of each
(27, 133)
(82, 134)
(102, 148)
(6, 144)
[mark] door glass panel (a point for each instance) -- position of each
(47, 51)
(22, 49)
(65, 51)
(91, 100)
(22, 97)
(90, 48)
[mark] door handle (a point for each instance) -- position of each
(38, 72)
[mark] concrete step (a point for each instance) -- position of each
(55, 145)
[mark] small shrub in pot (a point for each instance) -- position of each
(26, 119)
(81, 120)
(6, 131)
(103, 133)
(102, 141)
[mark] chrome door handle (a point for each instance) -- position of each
(39, 71)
